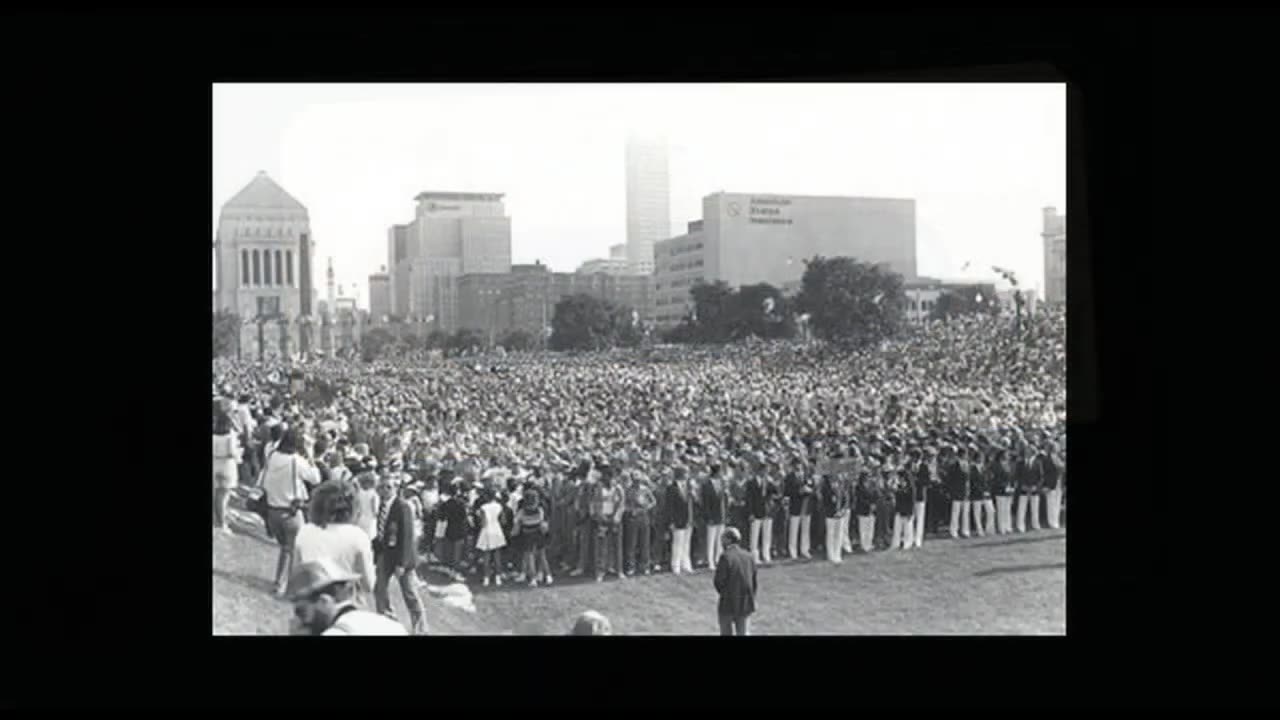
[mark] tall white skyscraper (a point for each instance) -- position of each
(648, 200)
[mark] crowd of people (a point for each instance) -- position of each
(533, 467)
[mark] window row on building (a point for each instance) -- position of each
(682, 249)
(264, 232)
(266, 268)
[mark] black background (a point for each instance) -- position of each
(109, 122)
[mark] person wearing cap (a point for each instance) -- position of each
(1026, 473)
(863, 507)
(324, 602)
(832, 504)
(680, 514)
(1051, 486)
(591, 623)
(736, 583)
(798, 489)
(396, 552)
(284, 484)
(957, 478)
(758, 490)
(980, 498)
(1003, 487)
(923, 479)
(715, 510)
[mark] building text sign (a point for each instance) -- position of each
(763, 210)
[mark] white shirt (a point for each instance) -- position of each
(345, 544)
(363, 622)
(284, 477)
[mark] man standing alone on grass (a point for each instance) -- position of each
(735, 581)
(396, 553)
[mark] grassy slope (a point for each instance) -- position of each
(1009, 584)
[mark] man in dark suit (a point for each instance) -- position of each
(680, 514)
(395, 553)
(736, 582)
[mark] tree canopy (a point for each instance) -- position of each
(850, 301)
(585, 322)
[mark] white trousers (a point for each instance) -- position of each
(866, 531)
(680, 559)
(846, 523)
(988, 508)
(1004, 514)
(917, 523)
(834, 539)
(714, 551)
(1053, 501)
(1025, 503)
(960, 517)
(901, 533)
(762, 539)
(798, 528)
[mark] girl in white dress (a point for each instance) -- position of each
(226, 459)
(491, 539)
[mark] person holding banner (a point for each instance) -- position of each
(799, 493)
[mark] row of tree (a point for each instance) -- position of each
(841, 300)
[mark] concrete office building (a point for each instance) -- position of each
(753, 238)
(262, 268)
(1054, 238)
(379, 296)
(615, 264)
(452, 234)
(648, 201)
(525, 298)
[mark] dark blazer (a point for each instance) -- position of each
(923, 479)
(863, 498)
(396, 544)
(1001, 479)
(1049, 471)
(679, 507)
(979, 483)
(736, 582)
(799, 500)
(1027, 475)
(957, 476)
(714, 503)
(756, 505)
(454, 512)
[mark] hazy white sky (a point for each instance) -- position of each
(980, 160)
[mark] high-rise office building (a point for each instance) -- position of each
(648, 201)
(452, 234)
(1054, 237)
(379, 296)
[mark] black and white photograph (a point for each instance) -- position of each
(673, 359)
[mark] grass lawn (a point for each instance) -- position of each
(1011, 584)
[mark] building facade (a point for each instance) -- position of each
(648, 201)
(744, 239)
(452, 234)
(263, 251)
(608, 266)
(1054, 238)
(525, 298)
(379, 296)
(679, 263)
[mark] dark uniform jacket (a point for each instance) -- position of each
(833, 499)
(979, 487)
(957, 478)
(1001, 479)
(736, 582)
(799, 495)
(923, 479)
(863, 498)
(395, 546)
(679, 507)
(1027, 475)
(715, 502)
(1049, 472)
(904, 498)
(757, 506)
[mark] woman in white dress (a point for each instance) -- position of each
(226, 461)
(491, 539)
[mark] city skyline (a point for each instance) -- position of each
(981, 161)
